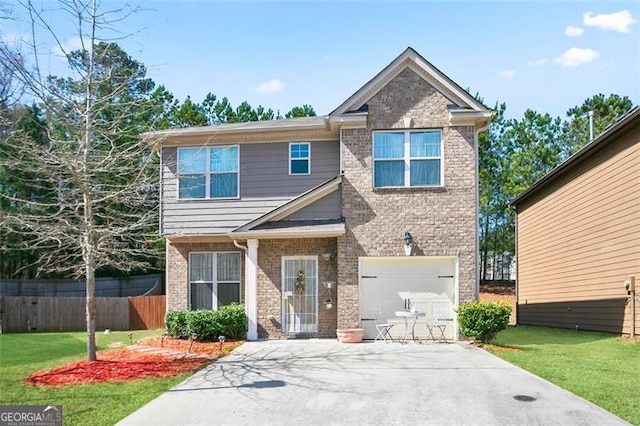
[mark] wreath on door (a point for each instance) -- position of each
(300, 282)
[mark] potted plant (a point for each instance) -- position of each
(350, 335)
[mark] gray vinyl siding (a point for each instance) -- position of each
(265, 184)
(264, 169)
(328, 207)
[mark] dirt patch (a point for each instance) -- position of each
(122, 365)
(494, 348)
(493, 293)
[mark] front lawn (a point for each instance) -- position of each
(96, 404)
(599, 367)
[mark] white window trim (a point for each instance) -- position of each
(214, 282)
(317, 296)
(308, 158)
(207, 173)
(407, 159)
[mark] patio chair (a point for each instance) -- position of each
(382, 325)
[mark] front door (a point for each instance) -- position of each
(300, 294)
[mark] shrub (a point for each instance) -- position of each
(233, 321)
(176, 324)
(229, 321)
(204, 324)
(483, 320)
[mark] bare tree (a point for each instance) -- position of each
(88, 198)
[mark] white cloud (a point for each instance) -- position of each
(72, 44)
(15, 38)
(538, 62)
(572, 31)
(577, 56)
(271, 86)
(507, 74)
(618, 21)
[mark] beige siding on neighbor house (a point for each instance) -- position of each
(579, 239)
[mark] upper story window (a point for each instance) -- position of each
(299, 158)
(208, 172)
(407, 158)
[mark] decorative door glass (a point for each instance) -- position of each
(300, 294)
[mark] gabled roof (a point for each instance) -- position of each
(413, 60)
(292, 206)
(299, 128)
(465, 110)
(632, 118)
(250, 126)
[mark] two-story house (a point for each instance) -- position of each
(372, 205)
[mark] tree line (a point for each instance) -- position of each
(514, 153)
(124, 104)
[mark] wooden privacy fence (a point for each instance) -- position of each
(146, 312)
(19, 314)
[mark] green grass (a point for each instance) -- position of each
(97, 404)
(599, 367)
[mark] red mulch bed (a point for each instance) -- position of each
(203, 348)
(122, 365)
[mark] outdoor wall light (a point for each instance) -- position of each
(408, 243)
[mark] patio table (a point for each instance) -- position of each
(409, 316)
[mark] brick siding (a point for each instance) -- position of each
(178, 270)
(442, 221)
(270, 253)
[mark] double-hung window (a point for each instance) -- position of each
(214, 279)
(407, 158)
(299, 158)
(208, 172)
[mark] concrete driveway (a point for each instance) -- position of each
(323, 382)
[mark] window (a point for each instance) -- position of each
(214, 279)
(409, 158)
(208, 172)
(299, 158)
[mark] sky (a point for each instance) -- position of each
(547, 56)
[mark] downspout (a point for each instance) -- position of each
(240, 246)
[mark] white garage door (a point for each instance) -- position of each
(428, 282)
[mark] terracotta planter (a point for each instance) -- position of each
(350, 335)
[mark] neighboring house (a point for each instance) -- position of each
(578, 236)
(267, 213)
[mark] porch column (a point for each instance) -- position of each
(251, 288)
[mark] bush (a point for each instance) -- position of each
(483, 320)
(229, 321)
(233, 321)
(176, 324)
(204, 324)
